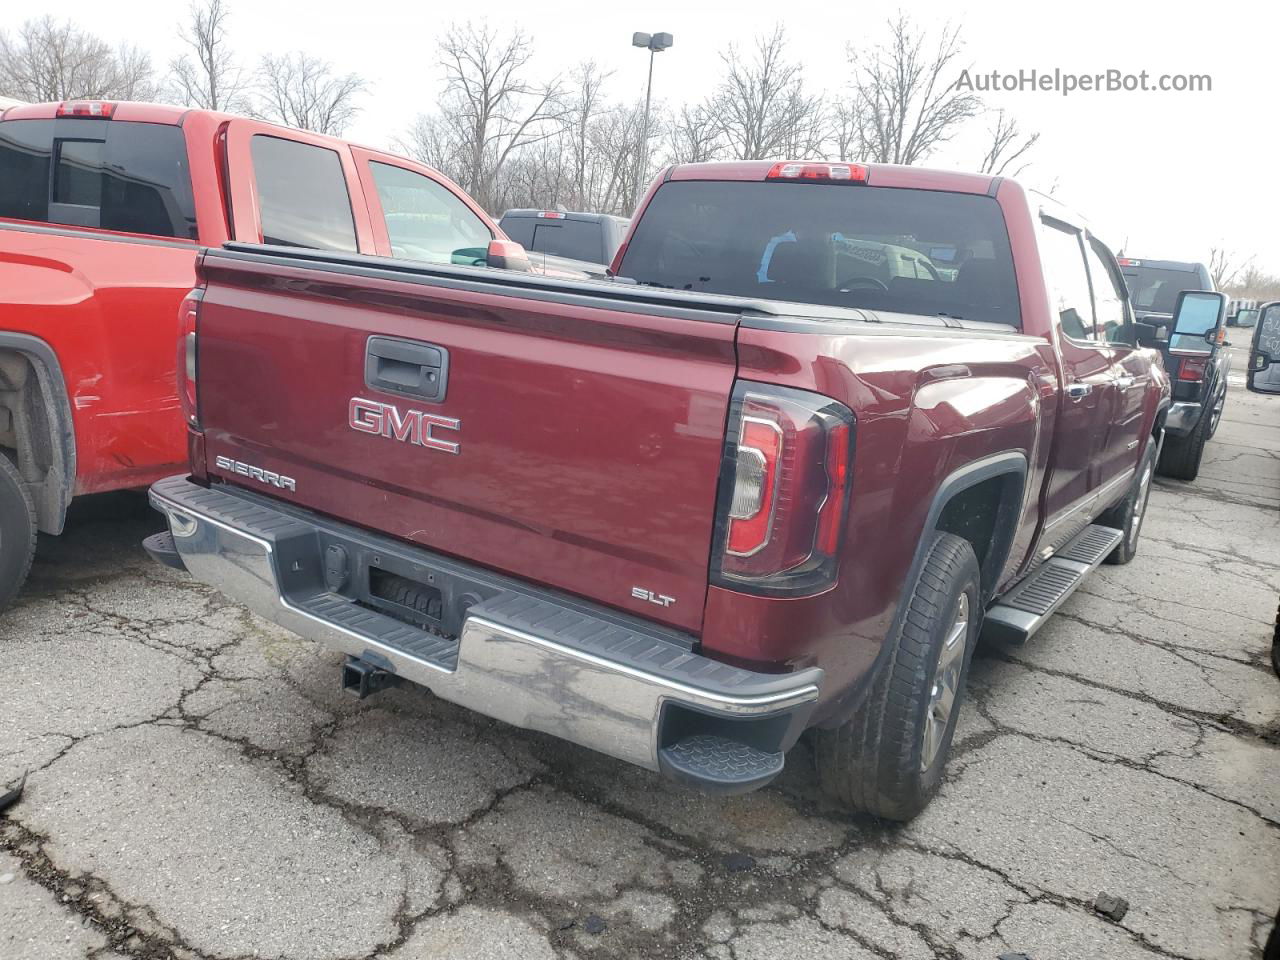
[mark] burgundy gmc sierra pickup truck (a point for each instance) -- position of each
(827, 423)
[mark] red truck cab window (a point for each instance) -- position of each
(106, 174)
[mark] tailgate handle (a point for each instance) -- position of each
(406, 367)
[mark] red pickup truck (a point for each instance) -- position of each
(104, 208)
(826, 422)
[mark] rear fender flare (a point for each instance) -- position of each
(60, 452)
(1011, 464)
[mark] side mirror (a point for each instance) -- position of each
(508, 255)
(1150, 334)
(1264, 357)
(1197, 318)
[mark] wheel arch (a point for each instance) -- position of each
(1010, 469)
(40, 430)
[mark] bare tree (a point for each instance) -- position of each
(432, 140)
(1008, 145)
(491, 104)
(1225, 266)
(585, 105)
(846, 131)
(904, 102)
(695, 137)
(48, 60)
(299, 90)
(761, 108)
(207, 76)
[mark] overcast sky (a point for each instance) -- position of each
(1160, 174)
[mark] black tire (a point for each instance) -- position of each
(1127, 515)
(875, 761)
(17, 532)
(1275, 645)
(1181, 456)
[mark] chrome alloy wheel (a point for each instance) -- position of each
(1217, 413)
(946, 683)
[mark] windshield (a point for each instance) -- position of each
(907, 251)
(1155, 289)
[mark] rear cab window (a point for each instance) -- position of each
(302, 195)
(909, 251)
(1156, 289)
(105, 174)
(575, 239)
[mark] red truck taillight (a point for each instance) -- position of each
(784, 491)
(188, 391)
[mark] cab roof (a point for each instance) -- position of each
(878, 174)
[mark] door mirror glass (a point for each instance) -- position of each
(1196, 320)
(1264, 358)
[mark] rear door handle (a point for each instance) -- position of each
(407, 367)
(1124, 382)
(1078, 391)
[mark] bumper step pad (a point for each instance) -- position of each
(717, 763)
(1026, 608)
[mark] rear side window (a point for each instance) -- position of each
(1063, 261)
(427, 221)
(114, 175)
(921, 252)
(302, 195)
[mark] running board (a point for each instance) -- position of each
(1024, 610)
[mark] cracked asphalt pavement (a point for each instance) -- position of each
(200, 788)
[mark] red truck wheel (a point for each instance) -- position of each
(17, 532)
(888, 758)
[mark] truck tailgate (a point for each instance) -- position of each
(577, 443)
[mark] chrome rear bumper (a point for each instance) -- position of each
(522, 656)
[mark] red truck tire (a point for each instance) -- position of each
(883, 760)
(17, 531)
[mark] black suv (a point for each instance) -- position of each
(1196, 362)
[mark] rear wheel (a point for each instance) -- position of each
(1181, 456)
(1127, 515)
(17, 531)
(888, 758)
(1217, 414)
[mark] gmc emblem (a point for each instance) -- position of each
(412, 426)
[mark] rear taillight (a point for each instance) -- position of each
(784, 491)
(188, 345)
(1192, 368)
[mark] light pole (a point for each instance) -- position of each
(654, 43)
